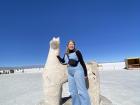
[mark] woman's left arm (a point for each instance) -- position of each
(80, 57)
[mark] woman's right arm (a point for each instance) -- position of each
(61, 60)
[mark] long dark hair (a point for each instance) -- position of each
(67, 49)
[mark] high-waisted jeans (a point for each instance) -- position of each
(77, 86)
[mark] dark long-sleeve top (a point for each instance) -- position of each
(80, 58)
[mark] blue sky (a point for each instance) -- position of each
(104, 30)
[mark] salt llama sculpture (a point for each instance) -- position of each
(54, 75)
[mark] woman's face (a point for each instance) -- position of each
(71, 46)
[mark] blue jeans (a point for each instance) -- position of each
(77, 86)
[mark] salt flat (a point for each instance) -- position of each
(20, 89)
(122, 87)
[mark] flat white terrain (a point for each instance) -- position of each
(121, 86)
(21, 89)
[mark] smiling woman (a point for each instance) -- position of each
(77, 73)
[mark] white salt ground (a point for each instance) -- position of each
(121, 86)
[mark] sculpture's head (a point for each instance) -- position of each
(54, 43)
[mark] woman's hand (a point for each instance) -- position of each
(86, 77)
(57, 52)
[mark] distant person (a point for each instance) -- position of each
(77, 73)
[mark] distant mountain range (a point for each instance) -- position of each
(22, 67)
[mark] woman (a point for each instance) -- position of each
(77, 73)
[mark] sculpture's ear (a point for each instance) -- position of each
(57, 39)
(53, 39)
